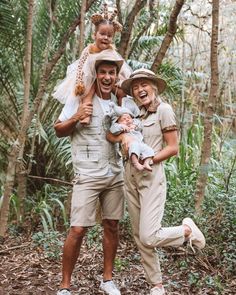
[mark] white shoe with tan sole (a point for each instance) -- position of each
(157, 291)
(196, 237)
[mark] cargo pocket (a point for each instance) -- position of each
(87, 156)
(151, 128)
(93, 128)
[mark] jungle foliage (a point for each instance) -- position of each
(47, 158)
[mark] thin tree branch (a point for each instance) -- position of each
(127, 28)
(230, 174)
(201, 29)
(82, 25)
(208, 124)
(58, 181)
(144, 29)
(14, 248)
(119, 14)
(172, 27)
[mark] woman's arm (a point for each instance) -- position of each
(171, 148)
(65, 128)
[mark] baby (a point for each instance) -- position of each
(123, 122)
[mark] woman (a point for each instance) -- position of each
(146, 191)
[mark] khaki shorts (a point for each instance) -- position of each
(88, 190)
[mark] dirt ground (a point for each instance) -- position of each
(25, 270)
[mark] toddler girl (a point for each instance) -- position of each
(80, 77)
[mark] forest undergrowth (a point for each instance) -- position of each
(31, 252)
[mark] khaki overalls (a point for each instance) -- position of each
(146, 195)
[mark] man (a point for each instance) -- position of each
(98, 174)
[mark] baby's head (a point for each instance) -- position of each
(105, 28)
(125, 119)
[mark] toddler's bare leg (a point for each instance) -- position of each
(87, 99)
(135, 163)
(146, 164)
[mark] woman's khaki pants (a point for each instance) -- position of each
(146, 195)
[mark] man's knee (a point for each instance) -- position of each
(77, 231)
(111, 226)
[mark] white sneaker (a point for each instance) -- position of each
(196, 237)
(110, 288)
(157, 291)
(64, 292)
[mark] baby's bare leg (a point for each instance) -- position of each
(135, 162)
(146, 164)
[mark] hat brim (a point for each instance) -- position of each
(127, 84)
(118, 63)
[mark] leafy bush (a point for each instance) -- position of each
(94, 236)
(48, 207)
(218, 220)
(50, 242)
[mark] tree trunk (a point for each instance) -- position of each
(172, 27)
(127, 28)
(20, 167)
(206, 146)
(81, 27)
(21, 179)
(144, 29)
(10, 178)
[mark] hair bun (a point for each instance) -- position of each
(99, 17)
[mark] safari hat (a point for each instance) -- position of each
(146, 74)
(109, 55)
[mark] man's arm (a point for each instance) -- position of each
(66, 127)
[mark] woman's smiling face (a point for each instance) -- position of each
(143, 91)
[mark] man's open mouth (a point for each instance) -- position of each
(106, 83)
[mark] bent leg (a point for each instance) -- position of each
(152, 198)
(134, 154)
(147, 164)
(87, 99)
(135, 162)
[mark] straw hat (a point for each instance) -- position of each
(145, 74)
(111, 57)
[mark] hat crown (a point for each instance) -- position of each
(110, 56)
(144, 72)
